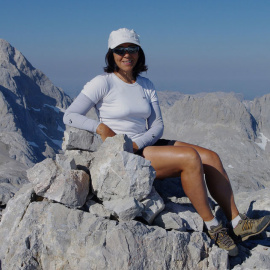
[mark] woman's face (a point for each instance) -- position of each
(127, 61)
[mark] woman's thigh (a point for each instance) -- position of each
(207, 156)
(170, 161)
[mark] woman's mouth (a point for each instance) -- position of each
(127, 62)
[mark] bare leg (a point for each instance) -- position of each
(216, 179)
(171, 161)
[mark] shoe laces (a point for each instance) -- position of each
(221, 236)
(247, 223)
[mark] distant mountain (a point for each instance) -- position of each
(31, 111)
(239, 131)
(31, 108)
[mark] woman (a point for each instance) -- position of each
(127, 103)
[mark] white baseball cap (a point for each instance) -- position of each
(123, 35)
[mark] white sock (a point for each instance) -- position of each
(213, 222)
(235, 221)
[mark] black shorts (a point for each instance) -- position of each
(160, 142)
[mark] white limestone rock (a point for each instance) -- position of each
(114, 144)
(153, 205)
(13, 215)
(65, 163)
(124, 209)
(70, 188)
(42, 175)
(52, 236)
(255, 204)
(218, 259)
(188, 213)
(78, 139)
(61, 184)
(171, 221)
(117, 174)
(97, 209)
(82, 158)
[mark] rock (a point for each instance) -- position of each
(218, 259)
(7, 191)
(52, 236)
(153, 205)
(97, 209)
(124, 209)
(13, 214)
(12, 175)
(171, 221)
(78, 139)
(66, 163)
(255, 204)
(188, 214)
(42, 175)
(118, 174)
(82, 158)
(70, 189)
(118, 143)
(61, 184)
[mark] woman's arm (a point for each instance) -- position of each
(75, 114)
(155, 127)
(75, 117)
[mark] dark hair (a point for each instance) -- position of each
(111, 65)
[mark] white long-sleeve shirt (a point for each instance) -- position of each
(130, 109)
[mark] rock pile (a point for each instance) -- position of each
(102, 210)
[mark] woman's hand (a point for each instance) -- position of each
(135, 147)
(104, 131)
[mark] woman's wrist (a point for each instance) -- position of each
(104, 131)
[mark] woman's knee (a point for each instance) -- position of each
(212, 158)
(190, 156)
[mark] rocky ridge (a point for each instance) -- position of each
(31, 112)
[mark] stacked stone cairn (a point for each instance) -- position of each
(121, 185)
(108, 180)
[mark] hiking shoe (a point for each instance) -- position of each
(247, 227)
(223, 240)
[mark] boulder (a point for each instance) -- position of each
(96, 208)
(59, 181)
(153, 205)
(170, 221)
(124, 209)
(117, 174)
(75, 139)
(82, 158)
(188, 213)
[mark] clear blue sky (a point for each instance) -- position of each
(191, 46)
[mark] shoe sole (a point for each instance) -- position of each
(234, 252)
(244, 238)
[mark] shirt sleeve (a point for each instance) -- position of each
(155, 127)
(96, 89)
(75, 114)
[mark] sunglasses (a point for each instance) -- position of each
(129, 50)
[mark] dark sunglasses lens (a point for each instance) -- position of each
(133, 49)
(122, 51)
(119, 51)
